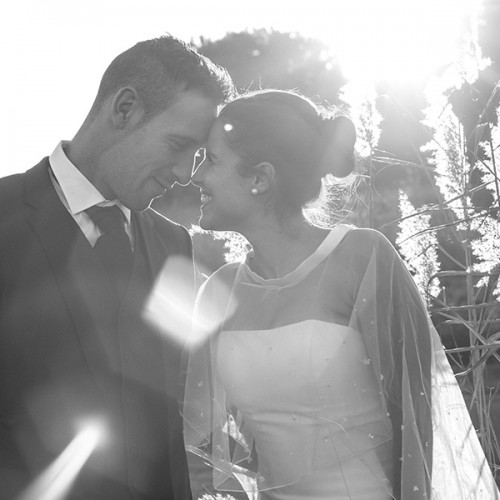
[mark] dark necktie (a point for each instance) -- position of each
(113, 246)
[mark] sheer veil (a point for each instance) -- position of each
(436, 446)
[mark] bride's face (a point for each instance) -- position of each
(225, 193)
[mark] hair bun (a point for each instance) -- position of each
(339, 137)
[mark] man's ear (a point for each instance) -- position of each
(126, 107)
(263, 176)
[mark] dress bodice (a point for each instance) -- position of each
(308, 394)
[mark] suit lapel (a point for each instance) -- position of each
(88, 294)
(148, 241)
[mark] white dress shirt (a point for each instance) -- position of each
(77, 193)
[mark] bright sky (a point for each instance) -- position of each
(54, 52)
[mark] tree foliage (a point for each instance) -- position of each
(264, 59)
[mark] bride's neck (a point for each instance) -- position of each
(279, 249)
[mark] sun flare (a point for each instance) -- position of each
(395, 40)
(55, 482)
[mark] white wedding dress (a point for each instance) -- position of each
(296, 393)
(307, 392)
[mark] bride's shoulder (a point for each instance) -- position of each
(359, 245)
(361, 250)
(365, 240)
(216, 289)
(224, 275)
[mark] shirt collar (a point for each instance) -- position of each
(78, 191)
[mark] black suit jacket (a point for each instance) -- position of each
(71, 351)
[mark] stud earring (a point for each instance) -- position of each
(255, 191)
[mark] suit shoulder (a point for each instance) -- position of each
(11, 188)
(11, 208)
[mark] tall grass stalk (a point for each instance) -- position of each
(463, 298)
(476, 230)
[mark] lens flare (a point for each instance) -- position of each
(170, 306)
(55, 482)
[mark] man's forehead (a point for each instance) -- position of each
(192, 100)
(192, 110)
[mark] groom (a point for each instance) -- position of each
(75, 349)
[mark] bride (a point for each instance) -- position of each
(325, 378)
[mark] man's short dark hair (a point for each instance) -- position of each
(160, 68)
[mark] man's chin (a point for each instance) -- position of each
(145, 204)
(153, 200)
(139, 207)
